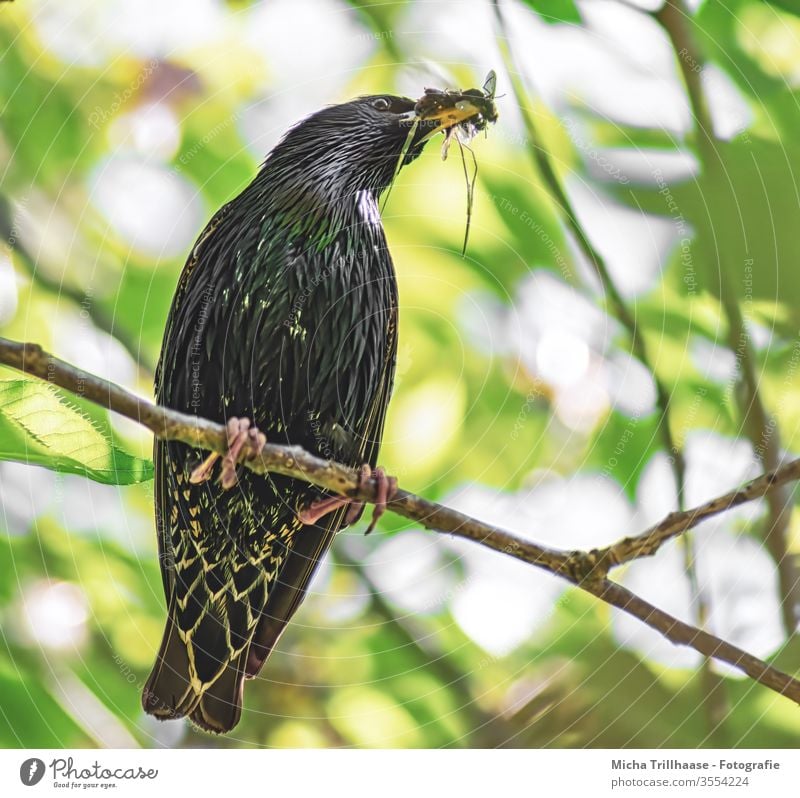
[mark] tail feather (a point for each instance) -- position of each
(168, 691)
(198, 678)
(289, 589)
(220, 706)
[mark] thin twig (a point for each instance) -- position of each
(675, 524)
(587, 570)
(684, 634)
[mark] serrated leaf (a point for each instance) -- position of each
(39, 426)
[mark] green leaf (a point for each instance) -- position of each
(553, 11)
(530, 231)
(622, 448)
(48, 137)
(39, 426)
(721, 30)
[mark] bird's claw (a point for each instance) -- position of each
(320, 508)
(386, 489)
(245, 442)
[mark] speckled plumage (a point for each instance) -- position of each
(286, 313)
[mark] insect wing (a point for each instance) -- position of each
(490, 85)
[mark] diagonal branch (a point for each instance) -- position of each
(684, 634)
(586, 570)
(675, 524)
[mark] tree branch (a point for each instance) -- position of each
(675, 524)
(586, 570)
(685, 634)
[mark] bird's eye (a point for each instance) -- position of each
(381, 104)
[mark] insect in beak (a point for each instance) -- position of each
(460, 115)
(468, 111)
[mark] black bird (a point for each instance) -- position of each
(285, 314)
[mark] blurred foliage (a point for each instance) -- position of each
(116, 144)
(556, 10)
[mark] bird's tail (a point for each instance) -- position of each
(196, 675)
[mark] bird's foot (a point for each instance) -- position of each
(386, 489)
(242, 437)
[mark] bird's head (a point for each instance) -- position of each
(360, 142)
(361, 145)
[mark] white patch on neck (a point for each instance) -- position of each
(368, 207)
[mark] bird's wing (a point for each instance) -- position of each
(165, 553)
(311, 544)
(162, 503)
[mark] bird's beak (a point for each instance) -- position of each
(445, 117)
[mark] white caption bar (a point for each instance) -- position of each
(400, 774)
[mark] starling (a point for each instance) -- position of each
(284, 326)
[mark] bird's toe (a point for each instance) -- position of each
(245, 442)
(385, 490)
(203, 472)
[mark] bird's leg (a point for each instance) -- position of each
(386, 489)
(241, 436)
